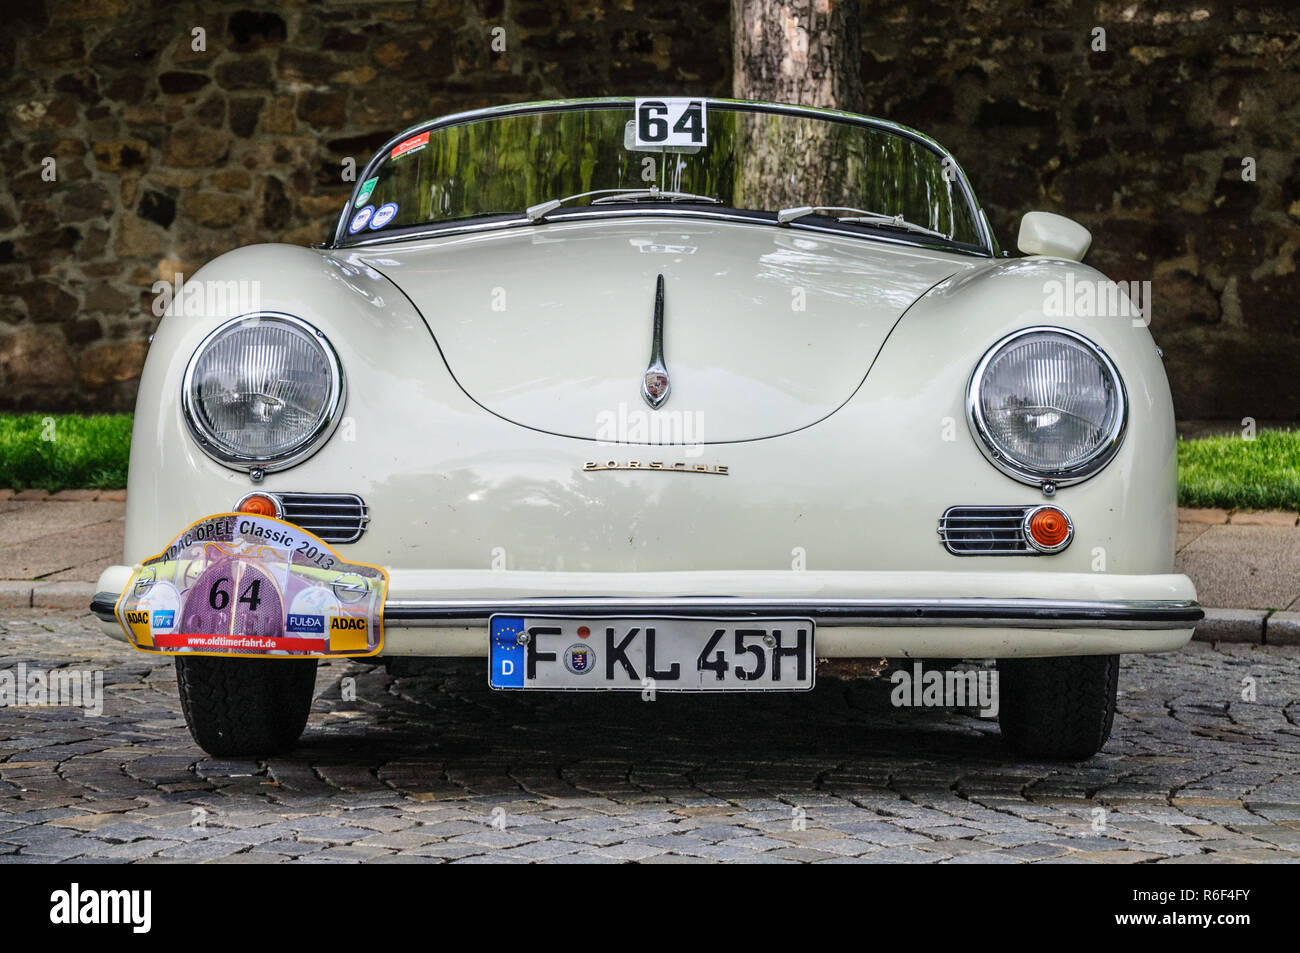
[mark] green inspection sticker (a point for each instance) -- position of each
(367, 187)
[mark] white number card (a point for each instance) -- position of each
(671, 122)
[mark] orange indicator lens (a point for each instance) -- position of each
(1049, 527)
(259, 505)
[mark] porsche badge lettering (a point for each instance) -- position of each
(678, 467)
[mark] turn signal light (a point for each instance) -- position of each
(259, 504)
(1048, 529)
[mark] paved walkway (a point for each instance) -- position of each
(69, 537)
(1241, 560)
(436, 767)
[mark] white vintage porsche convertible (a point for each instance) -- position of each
(679, 394)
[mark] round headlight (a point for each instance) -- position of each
(1047, 405)
(263, 391)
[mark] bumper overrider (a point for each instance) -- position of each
(923, 614)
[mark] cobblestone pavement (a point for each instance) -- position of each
(435, 767)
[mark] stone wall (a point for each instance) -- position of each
(165, 156)
(1143, 144)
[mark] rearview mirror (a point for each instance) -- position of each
(1043, 233)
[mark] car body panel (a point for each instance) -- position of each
(767, 330)
(863, 489)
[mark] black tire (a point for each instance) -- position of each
(239, 707)
(1058, 709)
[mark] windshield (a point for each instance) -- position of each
(734, 156)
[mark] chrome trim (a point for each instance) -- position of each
(657, 366)
(311, 511)
(1016, 613)
(1004, 613)
(985, 518)
(1048, 550)
(989, 242)
(1062, 477)
(308, 445)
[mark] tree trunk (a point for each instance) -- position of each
(806, 52)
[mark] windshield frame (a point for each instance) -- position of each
(988, 247)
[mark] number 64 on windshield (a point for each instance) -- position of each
(670, 122)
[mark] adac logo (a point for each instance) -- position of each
(341, 623)
(164, 618)
(137, 618)
(579, 659)
(305, 623)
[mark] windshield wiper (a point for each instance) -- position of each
(856, 216)
(535, 213)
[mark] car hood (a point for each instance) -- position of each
(766, 330)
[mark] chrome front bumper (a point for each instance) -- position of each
(446, 613)
(1021, 613)
(1012, 613)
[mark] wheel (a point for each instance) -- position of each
(237, 707)
(1059, 709)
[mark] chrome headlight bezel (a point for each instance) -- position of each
(304, 448)
(1023, 473)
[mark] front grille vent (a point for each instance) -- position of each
(334, 517)
(985, 531)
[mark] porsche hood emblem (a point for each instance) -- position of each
(655, 385)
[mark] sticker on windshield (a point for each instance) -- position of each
(414, 144)
(383, 215)
(671, 122)
(360, 219)
(367, 187)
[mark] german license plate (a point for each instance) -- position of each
(635, 654)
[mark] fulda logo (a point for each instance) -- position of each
(305, 623)
(340, 623)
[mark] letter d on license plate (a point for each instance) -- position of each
(668, 654)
